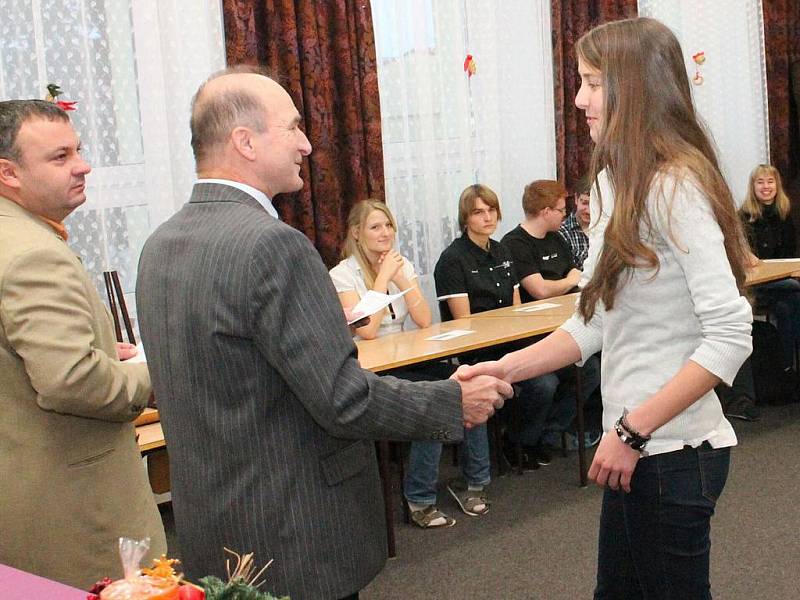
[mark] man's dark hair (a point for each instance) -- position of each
(13, 113)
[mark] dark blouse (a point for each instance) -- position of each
(770, 236)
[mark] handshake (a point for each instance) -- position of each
(482, 391)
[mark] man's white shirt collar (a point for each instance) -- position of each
(260, 196)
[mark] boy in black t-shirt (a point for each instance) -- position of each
(542, 259)
(544, 266)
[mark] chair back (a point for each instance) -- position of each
(117, 306)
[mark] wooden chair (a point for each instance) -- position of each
(157, 460)
(117, 306)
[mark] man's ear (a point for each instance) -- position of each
(9, 173)
(242, 140)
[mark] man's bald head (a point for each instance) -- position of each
(236, 97)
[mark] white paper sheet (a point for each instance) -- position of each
(449, 335)
(372, 302)
(780, 260)
(542, 306)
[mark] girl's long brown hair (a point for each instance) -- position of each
(649, 127)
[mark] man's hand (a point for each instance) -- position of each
(492, 367)
(126, 350)
(613, 463)
(481, 396)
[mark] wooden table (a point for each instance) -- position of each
(772, 270)
(414, 347)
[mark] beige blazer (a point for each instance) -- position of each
(72, 477)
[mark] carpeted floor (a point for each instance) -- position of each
(539, 540)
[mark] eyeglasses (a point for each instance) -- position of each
(563, 211)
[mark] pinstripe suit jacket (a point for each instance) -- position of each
(264, 406)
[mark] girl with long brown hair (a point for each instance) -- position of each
(661, 299)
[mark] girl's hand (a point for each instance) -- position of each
(613, 463)
(391, 263)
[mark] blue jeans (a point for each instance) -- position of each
(655, 542)
(549, 402)
(419, 485)
(782, 299)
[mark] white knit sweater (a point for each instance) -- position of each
(689, 310)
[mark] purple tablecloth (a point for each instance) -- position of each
(19, 585)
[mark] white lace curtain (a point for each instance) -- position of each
(733, 96)
(443, 130)
(132, 66)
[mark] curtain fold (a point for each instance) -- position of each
(782, 49)
(323, 53)
(570, 20)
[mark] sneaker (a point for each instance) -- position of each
(539, 453)
(590, 438)
(742, 408)
(551, 439)
(528, 460)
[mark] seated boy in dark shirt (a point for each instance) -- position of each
(542, 259)
(544, 266)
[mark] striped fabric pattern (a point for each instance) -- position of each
(264, 406)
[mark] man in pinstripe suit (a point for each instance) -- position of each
(264, 406)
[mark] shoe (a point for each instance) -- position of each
(529, 459)
(742, 408)
(543, 456)
(431, 517)
(539, 453)
(472, 503)
(552, 439)
(590, 438)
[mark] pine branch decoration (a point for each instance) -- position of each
(242, 582)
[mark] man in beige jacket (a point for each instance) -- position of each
(72, 478)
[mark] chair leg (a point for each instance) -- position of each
(582, 468)
(382, 447)
(400, 447)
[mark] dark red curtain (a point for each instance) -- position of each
(782, 48)
(570, 20)
(323, 53)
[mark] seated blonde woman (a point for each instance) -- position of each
(370, 262)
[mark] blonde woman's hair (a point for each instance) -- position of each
(356, 221)
(751, 209)
(649, 128)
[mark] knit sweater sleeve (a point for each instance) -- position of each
(687, 232)
(589, 335)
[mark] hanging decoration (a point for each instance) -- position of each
(699, 59)
(53, 92)
(469, 66)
